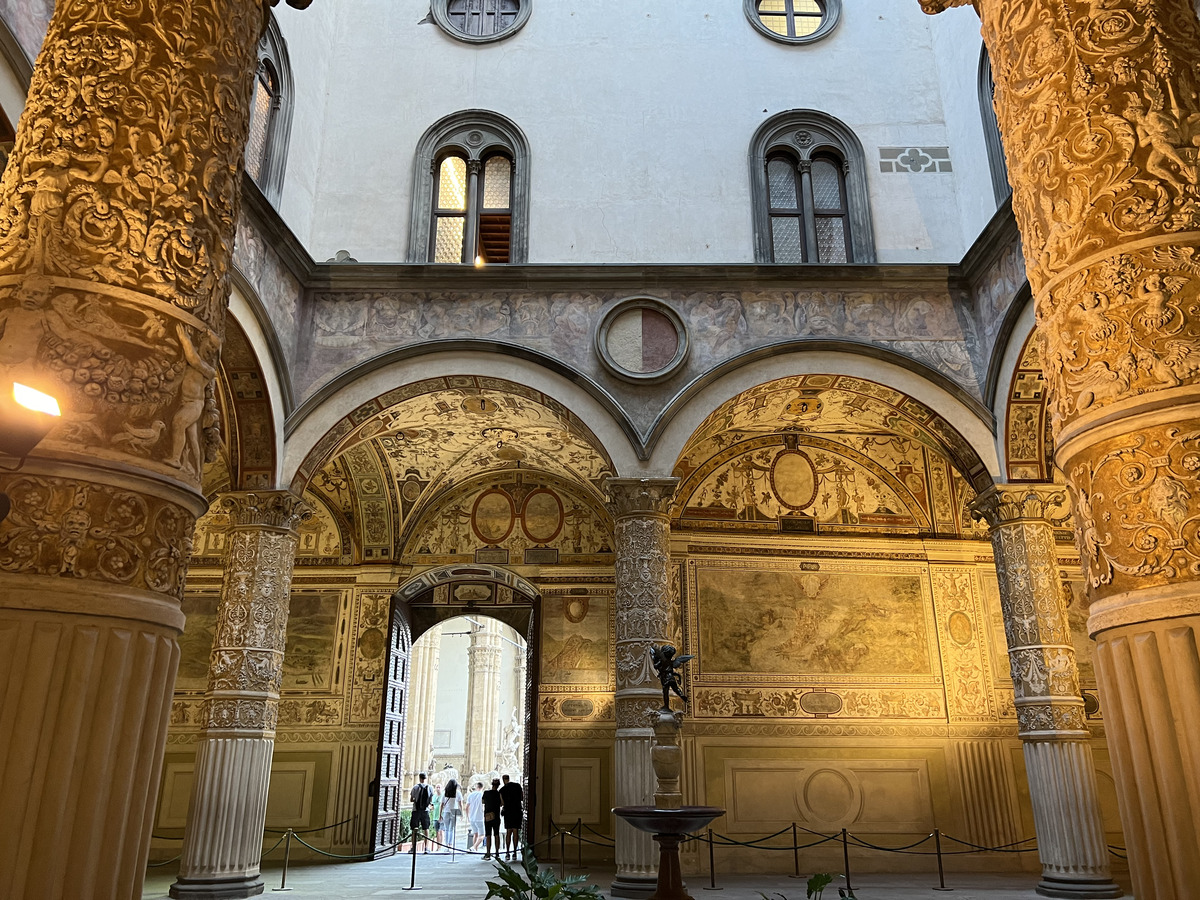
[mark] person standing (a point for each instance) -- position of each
(451, 805)
(436, 815)
(492, 802)
(475, 816)
(421, 797)
(513, 798)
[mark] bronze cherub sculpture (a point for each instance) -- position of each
(669, 669)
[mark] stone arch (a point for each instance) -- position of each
(965, 417)
(331, 414)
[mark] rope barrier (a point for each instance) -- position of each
(165, 862)
(310, 830)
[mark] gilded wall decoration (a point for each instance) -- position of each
(369, 656)
(773, 619)
(1028, 443)
(961, 627)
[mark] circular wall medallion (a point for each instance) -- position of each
(543, 516)
(642, 339)
(960, 628)
(794, 479)
(493, 517)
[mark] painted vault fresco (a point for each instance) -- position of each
(779, 622)
(839, 451)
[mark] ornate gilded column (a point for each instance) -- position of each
(1099, 107)
(1058, 756)
(222, 842)
(641, 512)
(117, 211)
(483, 688)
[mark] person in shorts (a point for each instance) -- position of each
(421, 797)
(491, 818)
(514, 799)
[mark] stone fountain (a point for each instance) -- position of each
(668, 819)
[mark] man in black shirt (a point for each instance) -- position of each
(492, 801)
(421, 797)
(513, 798)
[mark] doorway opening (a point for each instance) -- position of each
(459, 701)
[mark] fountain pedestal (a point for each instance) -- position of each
(668, 820)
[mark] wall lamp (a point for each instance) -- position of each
(26, 416)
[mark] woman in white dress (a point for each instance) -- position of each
(451, 805)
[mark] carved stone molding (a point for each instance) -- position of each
(272, 509)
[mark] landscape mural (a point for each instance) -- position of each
(788, 622)
(575, 640)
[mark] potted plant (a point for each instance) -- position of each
(531, 882)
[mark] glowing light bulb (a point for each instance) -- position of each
(35, 400)
(479, 261)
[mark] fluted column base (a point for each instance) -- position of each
(84, 704)
(637, 854)
(1149, 675)
(1066, 815)
(221, 856)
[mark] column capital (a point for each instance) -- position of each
(1004, 504)
(265, 509)
(640, 496)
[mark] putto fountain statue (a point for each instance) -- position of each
(668, 819)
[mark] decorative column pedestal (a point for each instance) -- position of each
(1098, 105)
(641, 509)
(1058, 756)
(222, 843)
(118, 205)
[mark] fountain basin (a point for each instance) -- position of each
(684, 820)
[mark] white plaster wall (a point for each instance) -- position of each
(639, 117)
(957, 45)
(453, 675)
(311, 46)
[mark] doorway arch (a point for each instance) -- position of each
(418, 604)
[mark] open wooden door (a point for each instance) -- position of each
(390, 799)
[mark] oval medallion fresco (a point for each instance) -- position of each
(543, 516)
(821, 703)
(493, 517)
(960, 628)
(794, 479)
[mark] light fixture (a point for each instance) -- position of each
(479, 262)
(26, 416)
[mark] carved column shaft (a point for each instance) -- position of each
(117, 211)
(422, 703)
(223, 839)
(1099, 108)
(641, 510)
(1058, 756)
(483, 688)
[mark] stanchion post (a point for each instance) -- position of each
(712, 865)
(562, 854)
(412, 881)
(287, 855)
(846, 858)
(937, 843)
(579, 841)
(795, 852)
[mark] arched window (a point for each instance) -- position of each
(270, 114)
(809, 183)
(991, 130)
(471, 192)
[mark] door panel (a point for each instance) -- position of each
(389, 800)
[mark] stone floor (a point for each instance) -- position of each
(440, 876)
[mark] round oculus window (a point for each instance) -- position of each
(481, 21)
(794, 21)
(642, 340)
